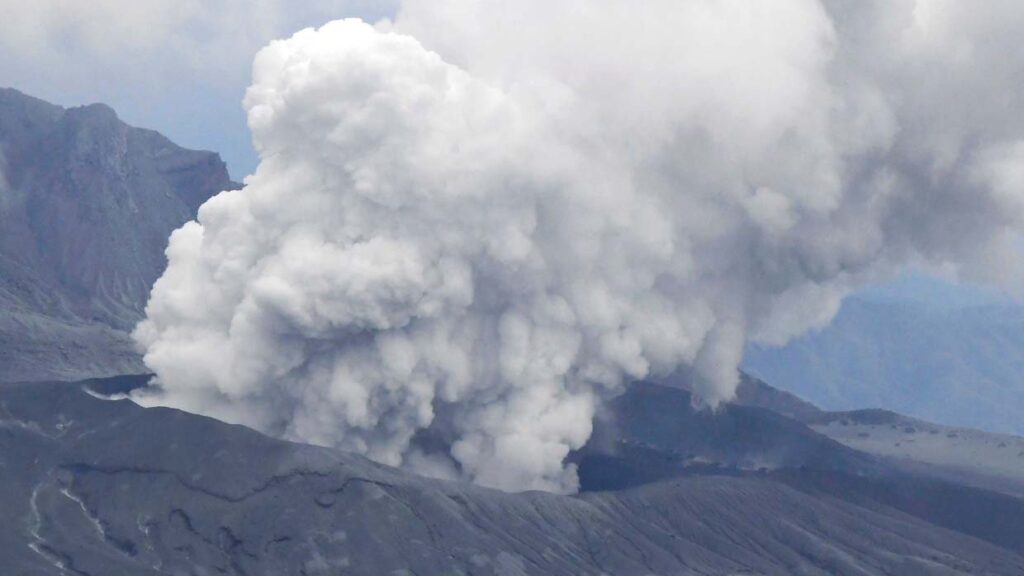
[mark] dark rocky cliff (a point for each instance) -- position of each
(86, 206)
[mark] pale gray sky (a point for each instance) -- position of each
(177, 66)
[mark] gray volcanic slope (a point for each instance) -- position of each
(86, 206)
(983, 459)
(94, 486)
(650, 433)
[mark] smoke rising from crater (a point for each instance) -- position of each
(479, 219)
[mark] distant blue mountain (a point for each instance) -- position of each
(950, 360)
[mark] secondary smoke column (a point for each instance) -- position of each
(474, 222)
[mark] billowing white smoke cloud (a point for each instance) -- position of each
(471, 224)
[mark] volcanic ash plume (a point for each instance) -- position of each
(471, 224)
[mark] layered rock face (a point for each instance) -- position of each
(86, 206)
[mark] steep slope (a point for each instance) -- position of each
(86, 206)
(97, 486)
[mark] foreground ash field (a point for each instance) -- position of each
(96, 485)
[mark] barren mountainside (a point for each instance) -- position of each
(113, 488)
(86, 206)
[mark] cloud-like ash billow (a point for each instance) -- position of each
(472, 223)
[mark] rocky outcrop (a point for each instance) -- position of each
(86, 206)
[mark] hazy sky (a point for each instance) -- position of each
(177, 66)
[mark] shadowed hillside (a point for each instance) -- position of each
(86, 206)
